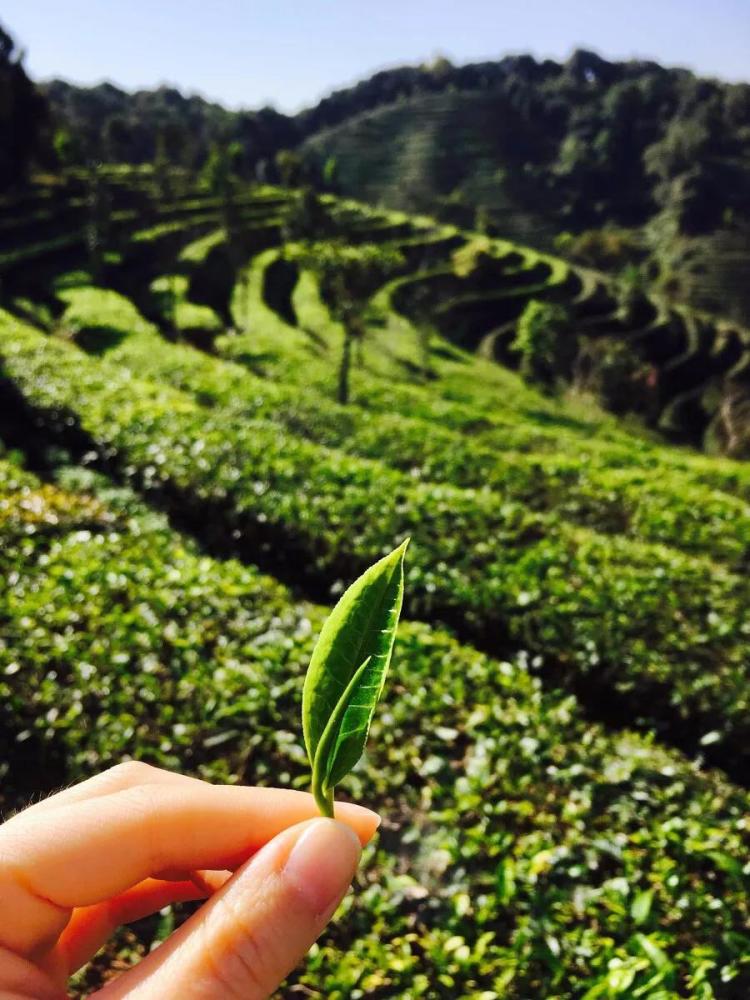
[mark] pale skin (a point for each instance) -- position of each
(133, 839)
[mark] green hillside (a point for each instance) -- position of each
(449, 151)
(632, 152)
(562, 753)
(649, 159)
(628, 167)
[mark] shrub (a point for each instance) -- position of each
(611, 370)
(476, 259)
(543, 340)
(524, 851)
(622, 614)
(605, 249)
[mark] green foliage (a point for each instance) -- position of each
(307, 218)
(622, 383)
(131, 125)
(582, 598)
(24, 118)
(98, 222)
(543, 340)
(526, 850)
(218, 171)
(688, 188)
(170, 293)
(67, 149)
(607, 249)
(475, 258)
(598, 483)
(162, 176)
(289, 167)
(347, 672)
(526, 836)
(330, 168)
(483, 220)
(348, 274)
(630, 292)
(541, 146)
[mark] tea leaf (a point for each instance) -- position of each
(347, 671)
(641, 907)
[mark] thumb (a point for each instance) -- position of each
(245, 940)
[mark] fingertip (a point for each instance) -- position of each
(322, 862)
(363, 821)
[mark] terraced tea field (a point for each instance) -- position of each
(181, 497)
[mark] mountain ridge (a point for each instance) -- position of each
(536, 150)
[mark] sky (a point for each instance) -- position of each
(290, 53)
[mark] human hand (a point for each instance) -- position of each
(135, 838)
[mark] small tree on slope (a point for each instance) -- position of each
(545, 343)
(347, 276)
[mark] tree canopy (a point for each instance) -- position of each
(23, 116)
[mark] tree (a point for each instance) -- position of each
(118, 139)
(611, 370)
(421, 312)
(290, 167)
(606, 249)
(67, 148)
(688, 185)
(98, 229)
(219, 175)
(330, 173)
(307, 218)
(23, 116)
(347, 275)
(162, 176)
(440, 68)
(545, 344)
(631, 287)
(217, 172)
(483, 221)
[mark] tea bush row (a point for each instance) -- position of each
(475, 398)
(523, 851)
(665, 630)
(674, 508)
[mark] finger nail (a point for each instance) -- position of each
(364, 820)
(322, 863)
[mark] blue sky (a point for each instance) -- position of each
(291, 52)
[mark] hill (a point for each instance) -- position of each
(180, 493)
(110, 124)
(535, 148)
(561, 757)
(545, 148)
(651, 165)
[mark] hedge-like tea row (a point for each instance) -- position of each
(523, 852)
(170, 292)
(628, 615)
(673, 509)
(470, 396)
(32, 512)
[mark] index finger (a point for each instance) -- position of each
(87, 851)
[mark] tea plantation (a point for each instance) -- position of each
(562, 752)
